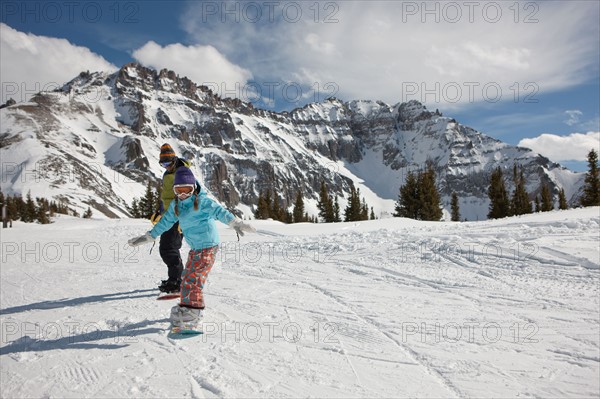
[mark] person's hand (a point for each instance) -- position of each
(240, 227)
(155, 218)
(141, 240)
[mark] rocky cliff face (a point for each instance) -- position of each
(96, 142)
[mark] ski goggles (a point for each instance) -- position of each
(183, 191)
(166, 164)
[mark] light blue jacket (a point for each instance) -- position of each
(198, 226)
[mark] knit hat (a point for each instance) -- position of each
(184, 175)
(166, 153)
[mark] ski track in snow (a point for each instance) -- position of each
(389, 308)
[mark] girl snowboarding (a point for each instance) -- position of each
(196, 214)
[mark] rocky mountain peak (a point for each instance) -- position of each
(240, 151)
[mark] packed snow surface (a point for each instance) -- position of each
(386, 308)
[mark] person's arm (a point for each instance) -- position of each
(221, 214)
(165, 223)
(217, 211)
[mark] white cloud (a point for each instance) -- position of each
(573, 115)
(375, 48)
(202, 64)
(573, 147)
(32, 63)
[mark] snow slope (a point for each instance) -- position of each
(388, 308)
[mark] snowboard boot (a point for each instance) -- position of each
(170, 286)
(186, 318)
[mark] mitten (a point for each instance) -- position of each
(240, 227)
(146, 238)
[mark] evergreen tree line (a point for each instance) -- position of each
(356, 209)
(144, 207)
(419, 197)
(502, 205)
(268, 207)
(328, 205)
(39, 210)
(518, 204)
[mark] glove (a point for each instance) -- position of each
(146, 238)
(240, 227)
(155, 217)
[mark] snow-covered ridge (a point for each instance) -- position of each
(96, 142)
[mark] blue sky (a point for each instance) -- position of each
(522, 72)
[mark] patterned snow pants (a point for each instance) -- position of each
(194, 276)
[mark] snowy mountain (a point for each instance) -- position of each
(96, 142)
(391, 308)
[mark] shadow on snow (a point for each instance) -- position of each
(120, 337)
(115, 338)
(63, 303)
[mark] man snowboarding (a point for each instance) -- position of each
(196, 214)
(170, 240)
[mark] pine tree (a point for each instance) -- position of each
(520, 204)
(325, 204)
(454, 207)
(3, 203)
(408, 200)
(288, 217)
(336, 211)
(353, 210)
(29, 212)
(147, 203)
(348, 216)
(157, 197)
(276, 211)
(499, 203)
(134, 209)
(562, 200)
(142, 205)
(8, 203)
(357, 207)
(268, 205)
(11, 208)
(88, 213)
(547, 200)
(298, 212)
(42, 211)
(372, 215)
(429, 196)
(591, 185)
(527, 208)
(60, 207)
(538, 206)
(14, 209)
(364, 210)
(21, 206)
(262, 210)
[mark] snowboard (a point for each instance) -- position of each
(165, 297)
(178, 332)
